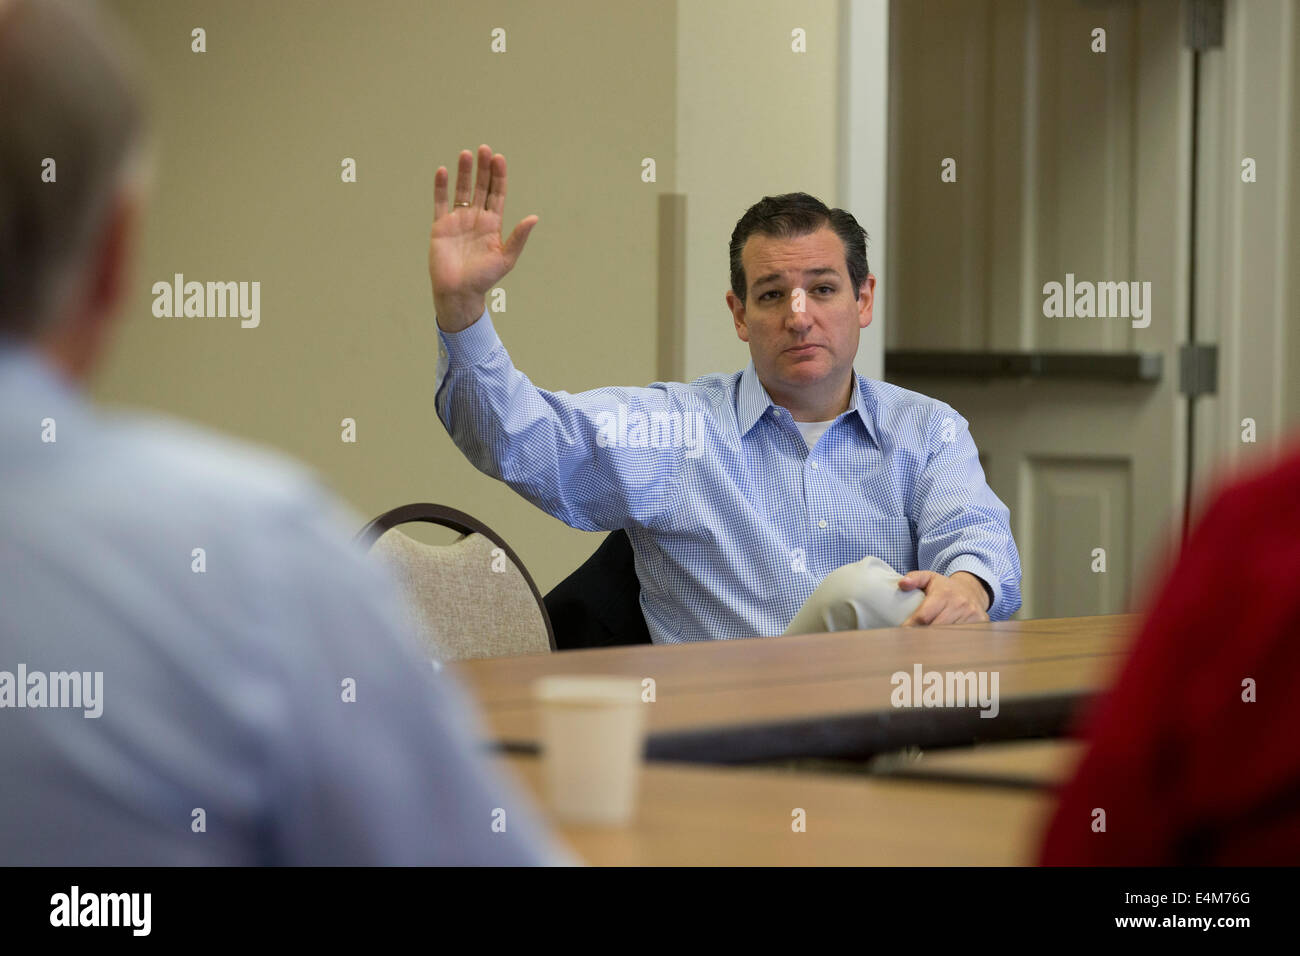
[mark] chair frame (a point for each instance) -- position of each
(458, 521)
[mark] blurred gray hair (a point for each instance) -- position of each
(66, 93)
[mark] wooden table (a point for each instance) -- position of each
(824, 695)
(689, 815)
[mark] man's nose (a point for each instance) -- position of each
(799, 321)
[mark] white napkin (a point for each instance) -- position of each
(856, 597)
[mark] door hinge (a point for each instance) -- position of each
(1198, 370)
(1203, 24)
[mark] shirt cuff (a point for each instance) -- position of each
(471, 345)
(978, 567)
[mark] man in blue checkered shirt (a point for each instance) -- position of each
(741, 492)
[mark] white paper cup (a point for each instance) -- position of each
(593, 734)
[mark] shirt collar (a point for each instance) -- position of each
(752, 402)
(26, 376)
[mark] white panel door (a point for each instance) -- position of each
(1071, 165)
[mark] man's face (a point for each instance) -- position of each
(794, 350)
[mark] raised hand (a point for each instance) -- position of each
(466, 254)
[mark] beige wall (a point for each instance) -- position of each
(252, 133)
(754, 119)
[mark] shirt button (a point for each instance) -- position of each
(814, 466)
(442, 352)
(822, 523)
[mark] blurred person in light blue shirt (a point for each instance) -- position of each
(207, 721)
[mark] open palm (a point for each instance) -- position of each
(466, 253)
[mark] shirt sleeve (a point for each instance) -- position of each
(961, 525)
(596, 460)
(380, 760)
(988, 588)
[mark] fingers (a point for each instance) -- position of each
(953, 613)
(489, 191)
(440, 193)
(911, 582)
(926, 613)
(484, 176)
(939, 609)
(960, 612)
(464, 166)
(915, 579)
(515, 244)
(496, 197)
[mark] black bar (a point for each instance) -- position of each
(346, 908)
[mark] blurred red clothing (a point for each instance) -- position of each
(1186, 770)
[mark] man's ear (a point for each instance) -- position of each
(78, 343)
(738, 315)
(866, 301)
(110, 267)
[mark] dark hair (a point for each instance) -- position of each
(798, 214)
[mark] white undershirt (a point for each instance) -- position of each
(812, 431)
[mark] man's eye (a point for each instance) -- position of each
(829, 288)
